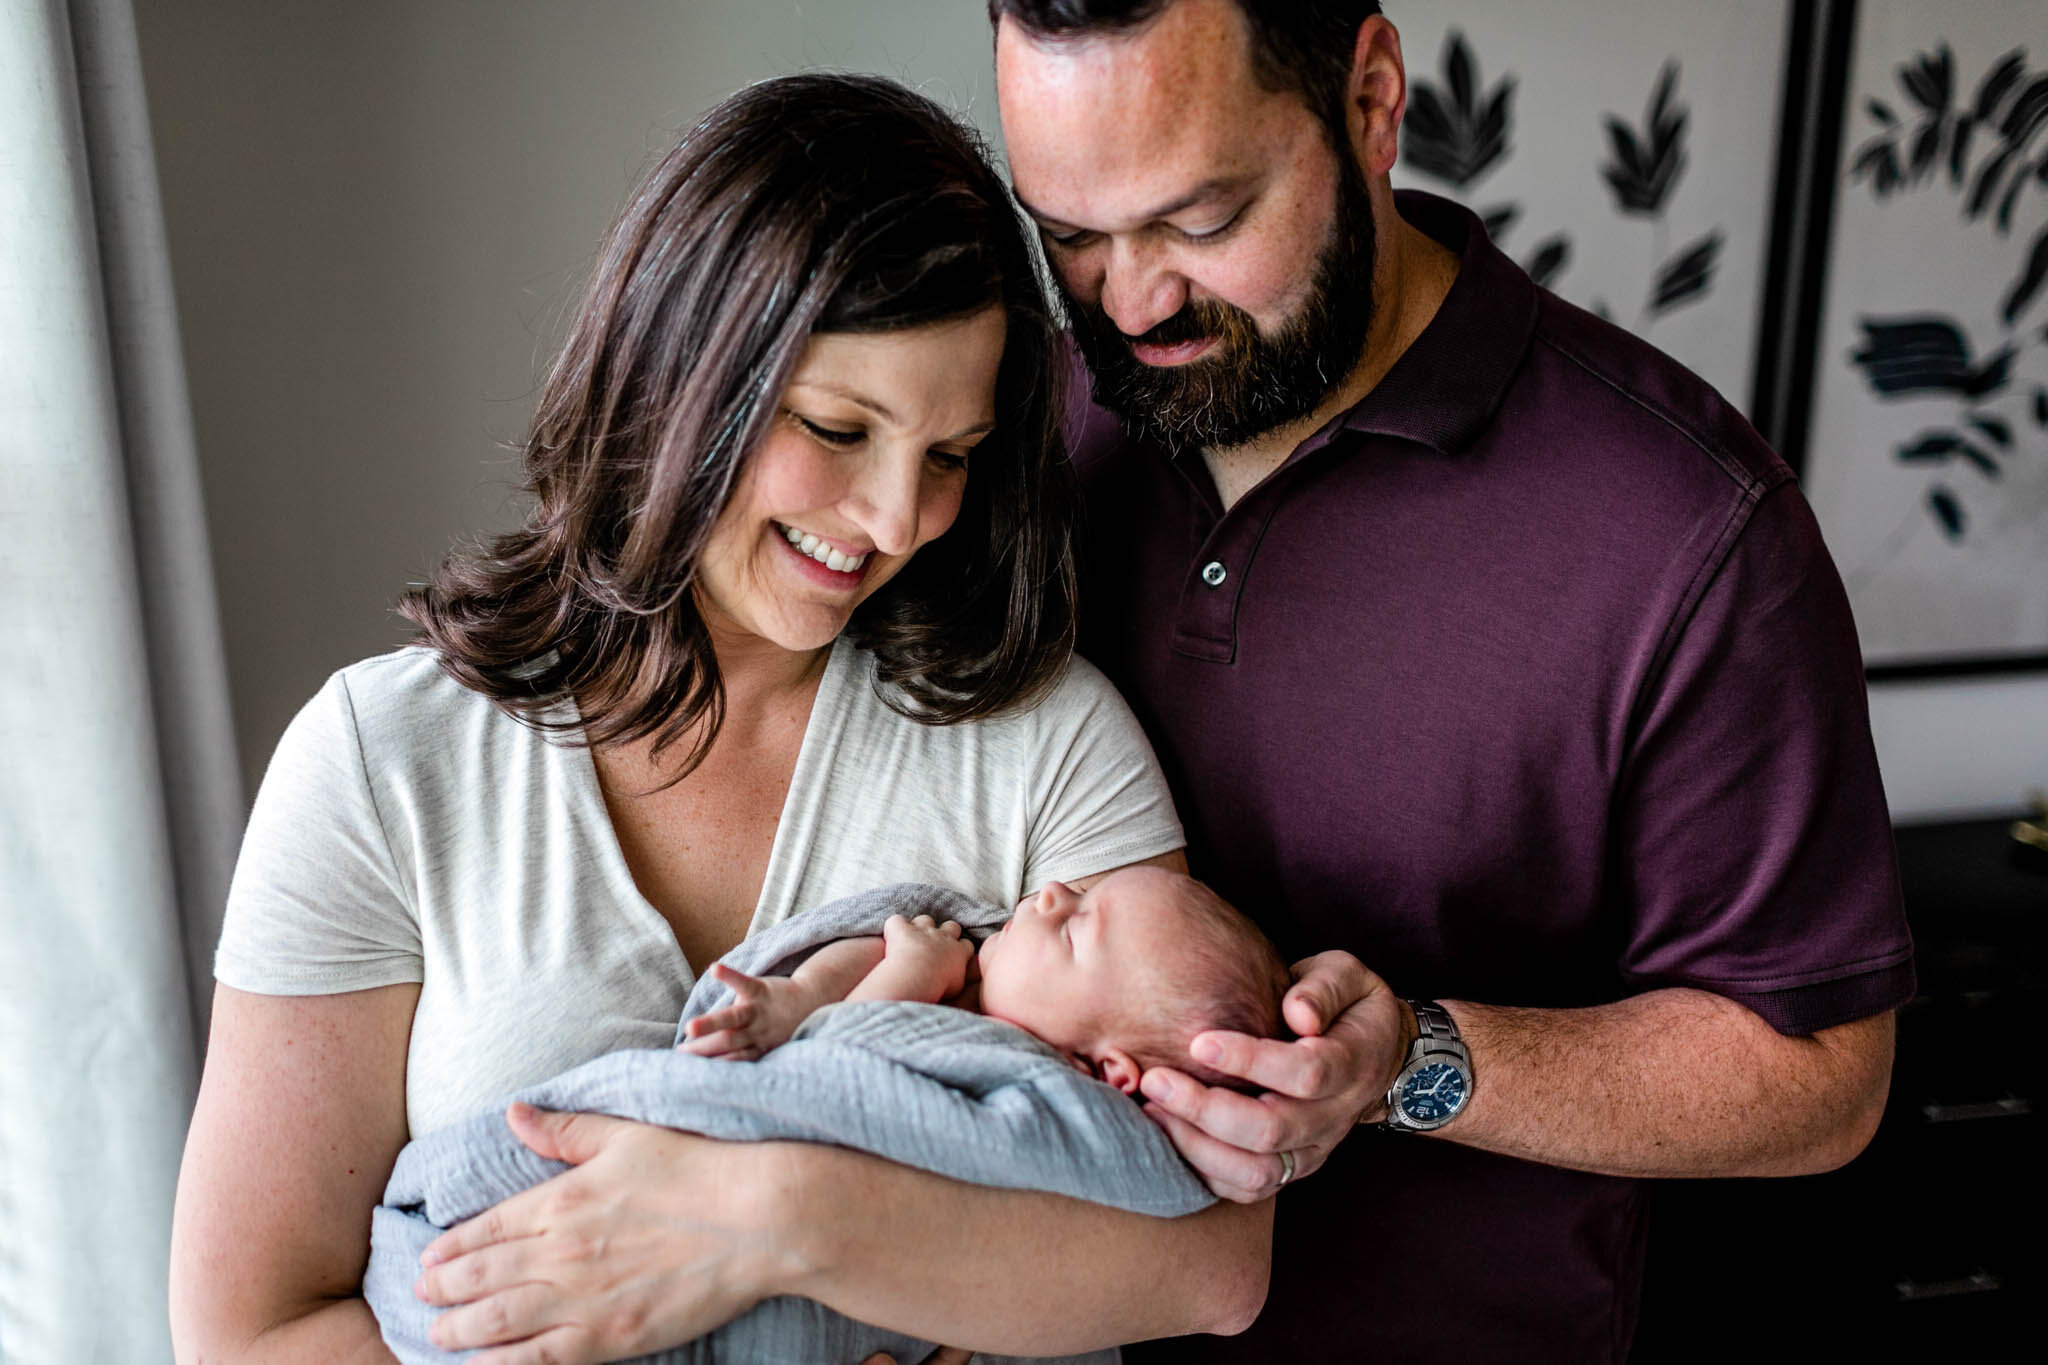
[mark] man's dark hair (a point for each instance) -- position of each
(812, 203)
(1302, 46)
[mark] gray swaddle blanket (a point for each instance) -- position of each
(929, 1086)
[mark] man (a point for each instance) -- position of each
(1487, 649)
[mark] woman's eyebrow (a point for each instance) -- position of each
(861, 400)
(857, 399)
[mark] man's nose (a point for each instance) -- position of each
(1140, 289)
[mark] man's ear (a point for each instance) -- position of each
(1116, 1067)
(1377, 97)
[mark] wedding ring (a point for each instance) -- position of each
(1286, 1168)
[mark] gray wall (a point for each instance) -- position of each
(378, 211)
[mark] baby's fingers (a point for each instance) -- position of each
(951, 928)
(746, 989)
(725, 1045)
(713, 1021)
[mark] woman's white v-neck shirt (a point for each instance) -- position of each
(409, 831)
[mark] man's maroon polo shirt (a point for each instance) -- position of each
(1528, 681)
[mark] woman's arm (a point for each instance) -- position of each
(711, 1228)
(301, 1114)
(714, 1228)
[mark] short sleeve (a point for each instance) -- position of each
(1098, 798)
(317, 905)
(1753, 845)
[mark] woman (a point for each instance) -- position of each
(790, 618)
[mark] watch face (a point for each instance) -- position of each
(1433, 1093)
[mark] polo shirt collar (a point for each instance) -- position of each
(1444, 389)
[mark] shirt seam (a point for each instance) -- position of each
(355, 730)
(1819, 976)
(1753, 483)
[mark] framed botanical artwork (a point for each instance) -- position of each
(1626, 158)
(1925, 449)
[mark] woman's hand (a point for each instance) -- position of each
(656, 1238)
(1352, 1033)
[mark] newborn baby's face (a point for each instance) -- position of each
(1069, 965)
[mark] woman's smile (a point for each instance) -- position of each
(843, 565)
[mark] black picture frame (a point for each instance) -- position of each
(1825, 155)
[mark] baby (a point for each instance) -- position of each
(1119, 978)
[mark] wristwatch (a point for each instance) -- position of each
(1435, 1084)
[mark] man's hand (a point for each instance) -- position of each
(1352, 1033)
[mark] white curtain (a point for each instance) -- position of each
(120, 802)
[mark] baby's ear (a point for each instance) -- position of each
(1116, 1066)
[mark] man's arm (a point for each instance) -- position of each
(1674, 1082)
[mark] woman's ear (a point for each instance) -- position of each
(1117, 1067)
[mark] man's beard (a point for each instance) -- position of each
(1248, 384)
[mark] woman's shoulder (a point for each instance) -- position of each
(402, 711)
(1079, 701)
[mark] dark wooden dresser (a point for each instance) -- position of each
(1932, 1244)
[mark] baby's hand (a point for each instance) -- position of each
(932, 955)
(764, 1013)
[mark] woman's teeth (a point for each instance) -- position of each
(820, 551)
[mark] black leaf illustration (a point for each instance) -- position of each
(1934, 445)
(1996, 428)
(1978, 458)
(1998, 82)
(1550, 258)
(1882, 112)
(1452, 134)
(1498, 221)
(1643, 170)
(1926, 147)
(1688, 274)
(1879, 160)
(1925, 355)
(2012, 195)
(1947, 511)
(2028, 110)
(2030, 281)
(1930, 80)
(1959, 150)
(1939, 447)
(2041, 407)
(1987, 181)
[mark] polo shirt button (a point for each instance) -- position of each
(1213, 573)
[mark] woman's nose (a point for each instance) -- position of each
(887, 503)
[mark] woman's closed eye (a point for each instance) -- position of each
(842, 437)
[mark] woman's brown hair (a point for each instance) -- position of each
(812, 203)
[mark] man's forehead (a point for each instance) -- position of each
(1110, 125)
